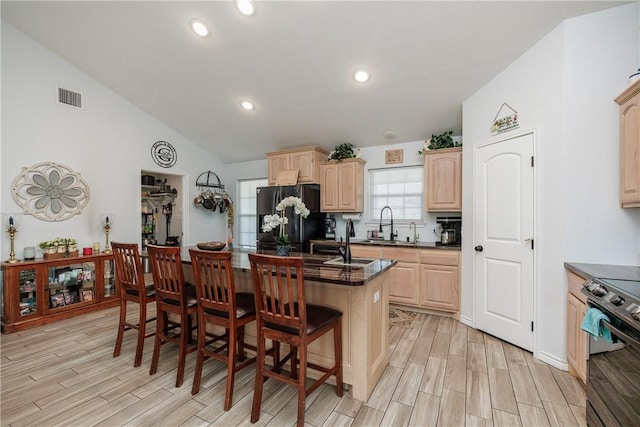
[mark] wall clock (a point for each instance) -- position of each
(50, 191)
(164, 154)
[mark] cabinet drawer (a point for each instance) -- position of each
(364, 251)
(575, 286)
(439, 257)
(401, 254)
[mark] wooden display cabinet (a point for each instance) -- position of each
(44, 291)
(306, 160)
(443, 180)
(629, 102)
(342, 186)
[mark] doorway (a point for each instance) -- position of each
(161, 209)
(503, 220)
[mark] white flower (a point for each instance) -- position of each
(271, 222)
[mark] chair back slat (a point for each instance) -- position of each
(279, 285)
(168, 276)
(213, 275)
(129, 272)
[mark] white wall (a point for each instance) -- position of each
(563, 87)
(108, 141)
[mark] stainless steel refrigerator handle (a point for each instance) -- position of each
(619, 333)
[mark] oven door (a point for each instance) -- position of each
(613, 377)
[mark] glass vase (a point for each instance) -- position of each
(283, 250)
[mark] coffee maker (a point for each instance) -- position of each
(451, 230)
(330, 227)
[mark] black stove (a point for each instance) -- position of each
(622, 297)
(613, 369)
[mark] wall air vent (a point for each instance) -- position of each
(68, 97)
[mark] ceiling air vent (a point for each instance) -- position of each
(66, 96)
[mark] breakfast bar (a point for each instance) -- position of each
(360, 291)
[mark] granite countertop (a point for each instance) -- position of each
(394, 243)
(314, 267)
(604, 271)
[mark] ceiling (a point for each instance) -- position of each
(294, 60)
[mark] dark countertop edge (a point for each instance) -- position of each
(604, 271)
(419, 245)
(353, 276)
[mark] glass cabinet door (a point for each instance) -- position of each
(71, 284)
(109, 279)
(27, 290)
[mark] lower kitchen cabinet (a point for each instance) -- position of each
(576, 337)
(426, 278)
(44, 291)
(440, 287)
(403, 289)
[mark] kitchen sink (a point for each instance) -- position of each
(355, 262)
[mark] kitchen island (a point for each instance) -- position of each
(360, 292)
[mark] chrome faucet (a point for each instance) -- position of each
(345, 251)
(392, 235)
(415, 234)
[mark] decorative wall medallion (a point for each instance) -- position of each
(164, 154)
(50, 191)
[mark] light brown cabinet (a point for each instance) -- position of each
(440, 279)
(342, 186)
(577, 339)
(629, 102)
(443, 180)
(305, 159)
(427, 278)
(44, 291)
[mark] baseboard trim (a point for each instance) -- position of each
(466, 321)
(552, 360)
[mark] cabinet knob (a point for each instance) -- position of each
(479, 248)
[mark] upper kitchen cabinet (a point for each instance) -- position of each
(305, 159)
(629, 102)
(342, 186)
(443, 180)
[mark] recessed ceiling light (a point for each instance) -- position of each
(247, 105)
(246, 7)
(199, 27)
(361, 75)
(390, 134)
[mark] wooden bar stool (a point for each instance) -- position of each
(173, 295)
(284, 316)
(220, 305)
(130, 277)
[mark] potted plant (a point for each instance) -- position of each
(59, 247)
(438, 142)
(279, 219)
(343, 151)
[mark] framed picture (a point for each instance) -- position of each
(87, 295)
(393, 156)
(70, 298)
(57, 300)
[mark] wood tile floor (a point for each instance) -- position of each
(440, 373)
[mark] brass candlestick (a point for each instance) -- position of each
(12, 235)
(107, 249)
(107, 222)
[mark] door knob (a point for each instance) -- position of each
(479, 248)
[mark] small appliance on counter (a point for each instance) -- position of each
(451, 230)
(330, 227)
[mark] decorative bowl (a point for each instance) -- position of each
(211, 246)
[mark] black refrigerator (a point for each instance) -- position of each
(300, 230)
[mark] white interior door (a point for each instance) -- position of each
(503, 233)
